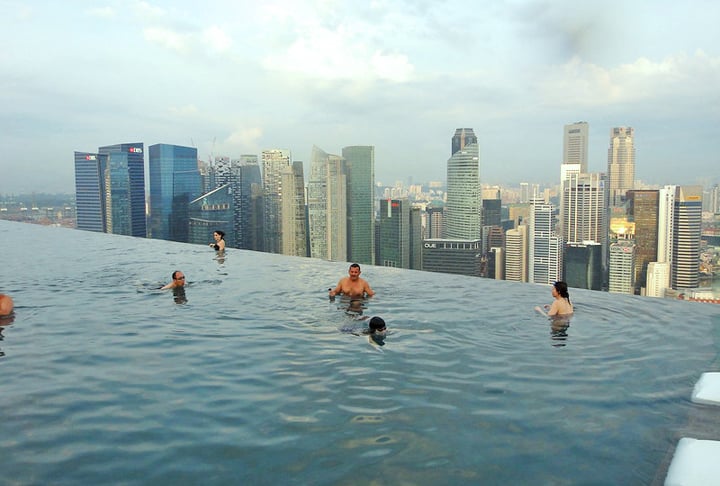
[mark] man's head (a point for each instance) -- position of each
(354, 271)
(178, 278)
(6, 305)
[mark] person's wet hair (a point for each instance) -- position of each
(355, 265)
(221, 233)
(377, 324)
(562, 290)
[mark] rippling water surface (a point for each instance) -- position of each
(106, 379)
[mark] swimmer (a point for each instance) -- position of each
(219, 243)
(352, 286)
(561, 306)
(6, 305)
(178, 280)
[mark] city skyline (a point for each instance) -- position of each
(238, 78)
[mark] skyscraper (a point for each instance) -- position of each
(684, 268)
(394, 233)
(250, 212)
(435, 220)
(621, 277)
(583, 215)
(516, 254)
(274, 162)
(583, 266)
(294, 225)
(360, 164)
(120, 185)
(210, 212)
(643, 210)
(575, 145)
(545, 246)
(90, 191)
(174, 182)
(621, 164)
(327, 206)
(462, 209)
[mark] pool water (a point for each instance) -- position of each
(250, 380)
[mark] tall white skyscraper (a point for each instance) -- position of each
(545, 246)
(575, 145)
(274, 163)
(679, 231)
(327, 206)
(621, 164)
(621, 277)
(463, 205)
(516, 254)
(583, 212)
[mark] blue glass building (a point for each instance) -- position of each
(90, 191)
(174, 182)
(124, 187)
(212, 212)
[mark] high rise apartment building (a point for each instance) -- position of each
(462, 208)
(394, 233)
(274, 162)
(327, 206)
(360, 164)
(575, 145)
(621, 164)
(174, 182)
(516, 254)
(435, 228)
(294, 226)
(583, 209)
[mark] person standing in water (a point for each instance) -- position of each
(352, 286)
(219, 243)
(561, 306)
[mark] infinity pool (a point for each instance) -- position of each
(249, 379)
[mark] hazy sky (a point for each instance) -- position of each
(234, 77)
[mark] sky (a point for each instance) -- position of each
(238, 77)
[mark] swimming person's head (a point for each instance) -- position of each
(377, 324)
(562, 289)
(219, 234)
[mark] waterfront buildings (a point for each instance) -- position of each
(516, 254)
(461, 257)
(174, 182)
(621, 164)
(394, 233)
(583, 265)
(211, 212)
(642, 210)
(621, 277)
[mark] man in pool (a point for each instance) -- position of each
(353, 286)
(178, 280)
(6, 305)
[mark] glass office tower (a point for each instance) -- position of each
(360, 166)
(462, 208)
(174, 182)
(125, 189)
(90, 191)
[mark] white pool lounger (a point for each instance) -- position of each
(707, 389)
(695, 463)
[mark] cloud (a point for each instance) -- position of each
(145, 10)
(101, 12)
(167, 38)
(244, 138)
(187, 111)
(583, 84)
(216, 39)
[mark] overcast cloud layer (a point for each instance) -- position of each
(235, 77)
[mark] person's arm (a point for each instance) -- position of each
(370, 292)
(336, 290)
(168, 286)
(221, 245)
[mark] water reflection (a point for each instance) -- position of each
(558, 329)
(179, 295)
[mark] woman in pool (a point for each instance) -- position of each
(561, 306)
(219, 243)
